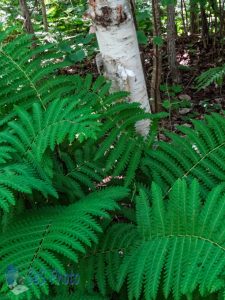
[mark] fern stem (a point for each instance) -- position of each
(195, 165)
(39, 248)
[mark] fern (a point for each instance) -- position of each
(37, 243)
(77, 174)
(53, 131)
(30, 75)
(20, 178)
(121, 147)
(61, 139)
(213, 75)
(197, 155)
(30, 135)
(178, 243)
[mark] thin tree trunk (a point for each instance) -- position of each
(186, 15)
(157, 59)
(215, 32)
(194, 16)
(221, 16)
(44, 15)
(26, 15)
(116, 35)
(205, 26)
(171, 44)
(183, 17)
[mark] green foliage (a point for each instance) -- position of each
(179, 241)
(80, 47)
(172, 102)
(213, 75)
(66, 17)
(25, 70)
(79, 188)
(49, 125)
(143, 17)
(176, 243)
(37, 243)
(157, 40)
(198, 155)
(142, 38)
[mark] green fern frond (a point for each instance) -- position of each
(5, 154)
(198, 155)
(109, 254)
(29, 75)
(30, 135)
(76, 175)
(37, 243)
(20, 178)
(185, 247)
(121, 147)
(213, 75)
(177, 245)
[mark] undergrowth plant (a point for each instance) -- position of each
(81, 191)
(213, 75)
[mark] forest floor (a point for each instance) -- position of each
(193, 60)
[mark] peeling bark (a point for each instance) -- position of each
(116, 35)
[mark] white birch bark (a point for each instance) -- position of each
(116, 35)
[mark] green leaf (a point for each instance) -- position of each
(142, 38)
(158, 41)
(77, 56)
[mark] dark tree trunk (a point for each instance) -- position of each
(194, 17)
(44, 15)
(171, 44)
(183, 16)
(157, 59)
(205, 27)
(26, 15)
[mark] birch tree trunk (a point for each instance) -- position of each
(116, 35)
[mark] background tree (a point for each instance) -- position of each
(194, 26)
(171, 42)
(44, 15)
(205, 25)
(157, 57)
(26, 15)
